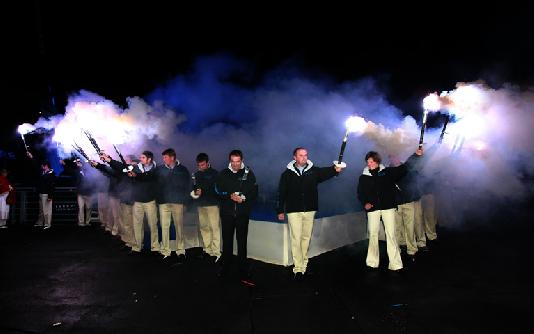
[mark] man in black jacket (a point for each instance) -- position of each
(45, 189)
(208, 206)
(377, 193)
(298, 197)
(237, 189)
(85, 189)
(144, 197)
(408, 208)
(173, 188)
(124, 192)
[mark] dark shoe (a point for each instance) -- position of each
(371, 269)
(410, 257)
(298, 277)
(397, 272)
(180, 259)
(133, 253)
(423, 249)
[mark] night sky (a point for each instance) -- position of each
(125, 49)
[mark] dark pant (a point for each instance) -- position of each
(238, 224)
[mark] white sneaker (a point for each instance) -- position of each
(3, 226)
(38, 225)
(47, 227)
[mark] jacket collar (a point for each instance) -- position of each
(231, 170)
(368, 173)
(291, 167)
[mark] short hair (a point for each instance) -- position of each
(170, 152)
(203, 157)
(148, 154)
(235, 153)
(373, 155)
(297, 149)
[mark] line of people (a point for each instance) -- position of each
(141, 189)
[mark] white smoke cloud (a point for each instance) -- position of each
(487, 148)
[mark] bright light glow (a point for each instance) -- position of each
(25, 128)
(356, 124)
(479, 145)
(432, 102)
(466, 99)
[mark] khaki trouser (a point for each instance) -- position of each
(139, 211)
(45, 211)
(177, 212)
(84, 209)
(405, 225)
(210, 229)
(300, 227)
(114, 214)
(373, 227)
(428, 204)
(419, 229)
(126, 229)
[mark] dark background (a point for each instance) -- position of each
(125, 48)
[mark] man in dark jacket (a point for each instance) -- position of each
(208, 206)
(173, 191)
(124, 192)
(237, 189)
(45, 189)
(377, 193)
(298, 197)
(144, 193)
(408, 208)
(85, 189)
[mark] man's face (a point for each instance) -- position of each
(235, 163)
(301, 157)
(168, 160)
(44, 168)
(202, 166)
(372, 164)
(144, 159)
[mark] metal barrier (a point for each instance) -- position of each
(64, 211)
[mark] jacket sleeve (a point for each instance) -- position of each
(186, 182)
(282, 193)
(251, 191)
(210, 187)
(396, 173)
(326, 173)
(362, 194)
(221, 188)
(116, 165)
(106, 170)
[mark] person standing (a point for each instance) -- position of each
(208, 206)
(173, 184)
(45, 189)
(6, 189)
(377, 193)
(237, 189)
(298, 197)
(84, 188)
(144, 194)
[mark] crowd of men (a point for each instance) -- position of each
(139, 190)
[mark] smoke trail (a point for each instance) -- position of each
(488, 139)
